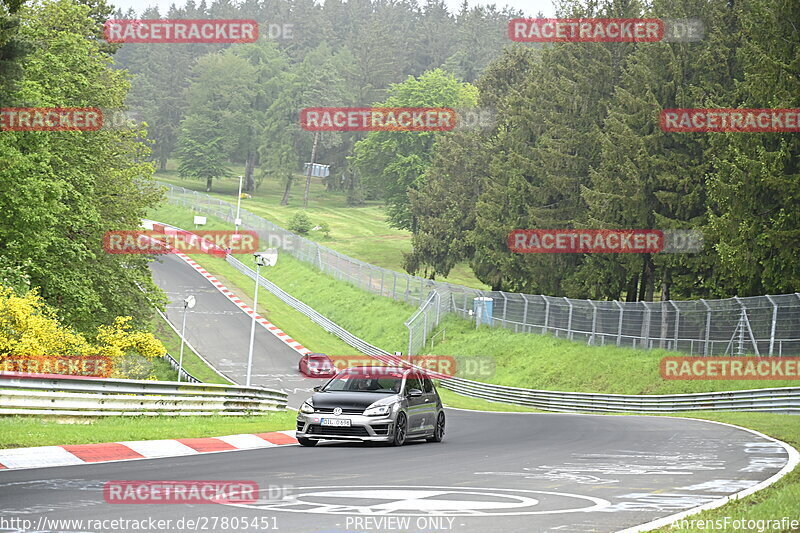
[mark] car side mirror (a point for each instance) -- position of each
(414, 393)
(317, 388)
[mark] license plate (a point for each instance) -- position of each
(336, 422)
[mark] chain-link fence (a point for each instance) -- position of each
(763, 325)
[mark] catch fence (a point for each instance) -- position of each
(762, 325)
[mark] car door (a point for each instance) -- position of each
(431, 403)
(416, 406)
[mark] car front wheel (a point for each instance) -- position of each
(306, 442)
(400, 429)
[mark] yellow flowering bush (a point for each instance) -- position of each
(32, 336)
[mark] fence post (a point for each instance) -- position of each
(394, 285)
(619, 327)
(546, 313)
(774, 323)
(424, 326)
(708, 326)
(569, 320)
(408, 288)
(594, 321)
(677, 322)
(745, 320)
(524, 313)
(505, 305)
(646, 325)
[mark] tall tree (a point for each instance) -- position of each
(63, 190)
(219, 120)
(393, 162)
(755, 186)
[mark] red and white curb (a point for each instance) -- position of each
(79, 454)
(275, 330)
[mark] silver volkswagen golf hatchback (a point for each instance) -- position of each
(378, 404)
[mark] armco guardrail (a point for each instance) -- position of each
(184, 375)
(38, 394)
(781, 400)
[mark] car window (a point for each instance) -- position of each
(413, 382)
(364, 383)
(428, 385)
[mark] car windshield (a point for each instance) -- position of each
(361, 382)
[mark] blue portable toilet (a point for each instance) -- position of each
(483, 307)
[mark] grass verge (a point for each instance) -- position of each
(360, 232)
(23, 431)
(549, 363)
(459, 401)
(191, 363)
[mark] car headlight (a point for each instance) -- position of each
(307, 407)
(377, 410)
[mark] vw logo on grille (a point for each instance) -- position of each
(337, 411)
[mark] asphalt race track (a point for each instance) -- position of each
(493, 472)
(220, 331)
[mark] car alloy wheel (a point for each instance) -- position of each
(438, 431)
(399, 430)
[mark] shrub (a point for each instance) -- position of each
(324, 228)
(300, 223)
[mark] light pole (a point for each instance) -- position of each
(268, 259)
(188, 303)
(238, 221)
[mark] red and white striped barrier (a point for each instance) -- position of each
(78, 454)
